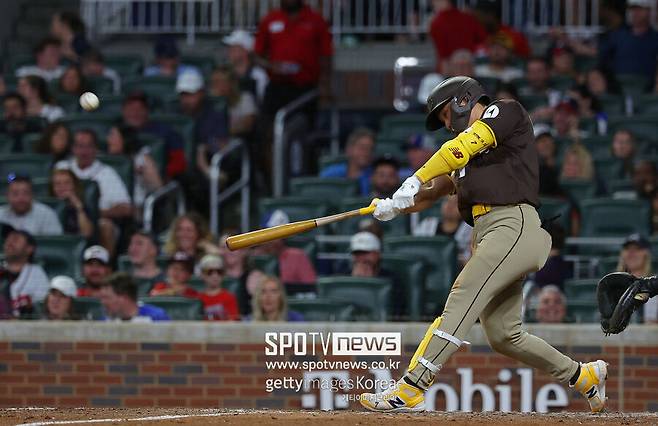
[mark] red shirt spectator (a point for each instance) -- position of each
(293, 42)
(295, 266)
(222, 306)
(452, 30)
(520, 45)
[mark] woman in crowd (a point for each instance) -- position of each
(55, 141)
(189, 233)
(577, 164)
(39, 101)
(65, 186)
(59, 301)
(73, 82)
(635, 258)
(270, 302)
(241, 104)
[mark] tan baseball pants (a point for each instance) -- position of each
(508, 243)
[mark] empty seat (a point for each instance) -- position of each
(33, 165)
(371, 297)
(60, 254)
(402, 125)
(178, 308)
(605, 217)
(409, 272)
(583, 311)
(578, 190)
(581, 289)
(613, 104)
(633, 84)
(125, 65)
(323, 188)
(322, 309)
(6, 144)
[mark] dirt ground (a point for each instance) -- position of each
(158, 416)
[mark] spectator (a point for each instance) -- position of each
(58, 305)
(135, 113)
(538, 76)
(499, 53)
(359, 150)
(294, 265)
(242, 107)
(114, 202)
(489, 14)
(385, 178)
(252, 78)
(419, 148)
(15, 123)
(235, 266)
(365, 249)
(65, 186)
(552, 306)
(143, 254)
(24, 282)
(270, 302)
(69, 29)
(23, 212)
(461, 62)
(180, 268)
(556, 270)
(93, 65)
(635, 258)
(644, 178)
(119, 298)
(189, 233)
(167, 59)
(55, 141)
(566, 118)
(549, 182)
(452, 30)
(562, 62)
(124, 141)
(95, 268)
(294, 44)
(48, 56)
(72, 82)
(632, 49)
(218, 303)
(39, 101)
(599, 82)
(624, 149)
(577, 164)
(589, 105)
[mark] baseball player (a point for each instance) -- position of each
(492, 165)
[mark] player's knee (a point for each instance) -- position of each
(503, 340)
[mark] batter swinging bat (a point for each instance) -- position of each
(262, 236)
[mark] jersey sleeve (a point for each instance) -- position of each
(502, 117)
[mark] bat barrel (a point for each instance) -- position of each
(261, 236)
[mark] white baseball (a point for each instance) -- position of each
(89, 101)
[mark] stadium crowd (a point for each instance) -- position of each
(75, 182)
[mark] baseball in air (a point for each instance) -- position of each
(89, 101)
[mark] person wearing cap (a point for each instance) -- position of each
(59, 302)
(566, 120)
(180, 268)
(23, 212)
(143, 254)
(385, 177)
(549, 183)
(632, 49)
(22, 282)
(252, 77)
(218, 303)
(359, 150)
(499, 51)
(635, 258)
(95, 268)
(419, 148)
(119, 298)
(167, 59)
(295, 267)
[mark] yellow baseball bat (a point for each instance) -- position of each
(261, 236)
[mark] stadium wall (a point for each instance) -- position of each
(225, 365)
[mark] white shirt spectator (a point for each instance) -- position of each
(40, 220)
(47, 75)
(651, 310)
(505, 75)
(259, 75)
(246, 106)
(32, 282)
(112, 189)
(111, 74)
(51, 112)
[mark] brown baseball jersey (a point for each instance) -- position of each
(504, 175)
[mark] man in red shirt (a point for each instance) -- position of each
(218, 303)
(452, 30)
(294, 45)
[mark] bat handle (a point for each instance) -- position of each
(371, 208)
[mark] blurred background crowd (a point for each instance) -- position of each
(122, 213)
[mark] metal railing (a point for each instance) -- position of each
(352, 17)
(242, 185)
(150, 201)
(280, 145)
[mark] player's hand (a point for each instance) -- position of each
(404, 196)
(385, 211)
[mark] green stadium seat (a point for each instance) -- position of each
(34, 165)
(620, 185)
(125, 65)
(577, 189)
(440, 256)
(532, 102)
(197, 283)
(605, 217)
(156, 87)
(69, 103)
(322, 310)
(585, 63)
(185, 127)
(88, 308)
(613, 104)
(40, 187)
(633, 84)
(122, 165)
(100, 123)
(297, 208)
(391, 147)
(397, 226)
(609, 169)
(265, 263)
(144, 286)
(330, 160)
(643, 126)
(178, 308)
(608, 264)
(323, 188)
(60, 254)
(6, 144)
(584, 289)
(402, 125)
(646, 104)
(109, 105)
(205, 64)
(410, 272)
(371, 297)
(562, 83)
(101, 86)
(29, 143)
(598, 145)
(91, 194)
(551, 207)
(232, 285)
(583, 311)
(18, 60)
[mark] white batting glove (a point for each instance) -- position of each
(404, 196)
(385, 211)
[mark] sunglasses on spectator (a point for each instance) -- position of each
(213, 271)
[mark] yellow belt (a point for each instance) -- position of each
(480, 210)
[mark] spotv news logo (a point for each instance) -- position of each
(333, 343)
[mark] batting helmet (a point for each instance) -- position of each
(462, 93)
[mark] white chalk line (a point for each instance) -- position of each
(137, 419)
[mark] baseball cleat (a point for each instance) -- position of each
(400, 398)
(591, 384)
